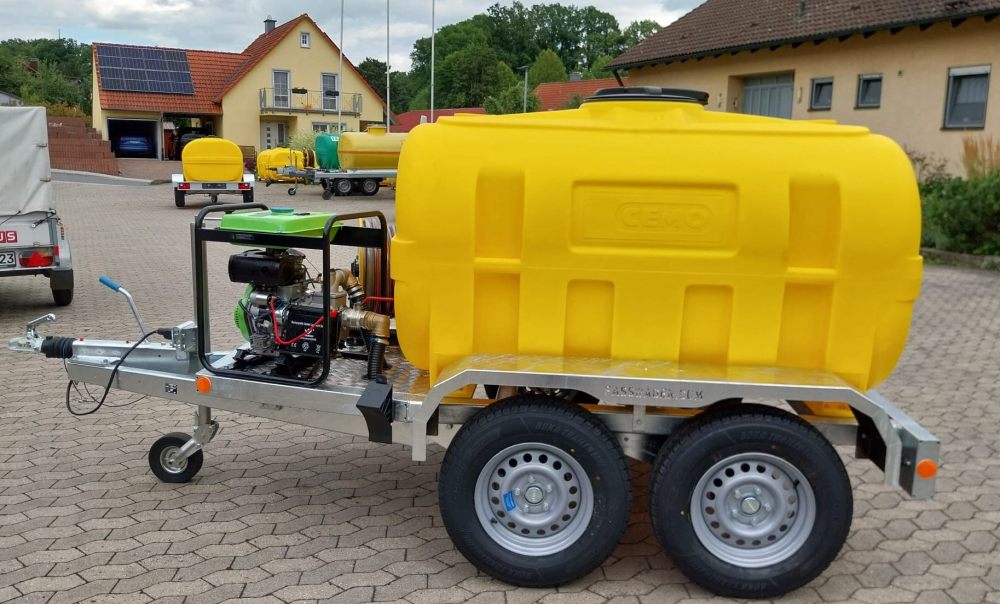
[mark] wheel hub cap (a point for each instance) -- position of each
(534, 499)
(169, 461)
(753, 510)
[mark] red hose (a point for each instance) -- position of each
(308, 330)
(377, 299)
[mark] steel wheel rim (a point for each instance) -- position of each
(753, 510)
(369, 186)
(538, 505)
(168, 460)
(343, 186)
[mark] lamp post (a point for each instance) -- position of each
(388, 83)
(432, 61)
(340, 72)
(525, 105)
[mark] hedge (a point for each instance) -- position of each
(962, 215)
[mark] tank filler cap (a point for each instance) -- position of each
(282, 210)
(649, 93)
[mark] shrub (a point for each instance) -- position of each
(980, 155)
(963, 215)
(927, 166)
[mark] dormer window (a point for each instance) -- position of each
(304, 39)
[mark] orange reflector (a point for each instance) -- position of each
(927, 469)
(202, 384)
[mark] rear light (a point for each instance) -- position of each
(244, 186)
(36, 258)
(184, 186)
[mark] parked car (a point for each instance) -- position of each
(32, 238)
(134, 145)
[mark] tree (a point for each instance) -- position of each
(599, 35)
(63, 76)
(512, 33)
(373, 71)
(468, 76)
(449, 39)
(546, 68)
(511, 100)
(557, 28)
(597, 69)
(637, 31)
(50, 86)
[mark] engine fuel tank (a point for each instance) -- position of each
(641, 226)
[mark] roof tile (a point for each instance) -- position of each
(726, 25)
(555, 95)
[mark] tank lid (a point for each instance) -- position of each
(649, 93)
(282, 210)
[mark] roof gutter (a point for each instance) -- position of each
(614, 66)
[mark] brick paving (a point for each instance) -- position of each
(282, 513)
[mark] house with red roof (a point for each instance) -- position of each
(287, 80)
(565, 95)
(918, 71)
(404, 122)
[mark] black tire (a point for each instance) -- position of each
(343, 186)
(565, 429)
(178, 198)
(705, 441)
(292, 191)
(327, 195)
(369, 186)
(185, 471)
(62, 297)
(248, 196)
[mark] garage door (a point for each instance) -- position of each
(133, 138)
(769, 95)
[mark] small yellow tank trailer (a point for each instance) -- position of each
(212, 166)
(710, 293)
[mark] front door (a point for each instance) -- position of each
(273, 134)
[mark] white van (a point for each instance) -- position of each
(32, 238)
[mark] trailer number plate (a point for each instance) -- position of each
(213, 185)
(7, 259)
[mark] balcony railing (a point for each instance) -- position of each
(300, 100)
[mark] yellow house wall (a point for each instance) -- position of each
(241, 105)
(914, 66)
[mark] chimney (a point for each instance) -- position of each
(575, 76)
(269, 24)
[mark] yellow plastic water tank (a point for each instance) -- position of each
(652, 229)
(269, 160)
(372, 150)
(212, 160)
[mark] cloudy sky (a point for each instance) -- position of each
(214, 25)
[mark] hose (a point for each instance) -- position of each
(376, 354)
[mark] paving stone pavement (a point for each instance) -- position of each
(282, 513)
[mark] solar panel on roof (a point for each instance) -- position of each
(132, 69)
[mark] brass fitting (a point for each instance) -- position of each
(354, 318)
(344, 278)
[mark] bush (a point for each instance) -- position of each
(980, 155)
(962, 215)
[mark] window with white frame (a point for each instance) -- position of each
(869, 91)
(968, 91)
(305, 39)
(281, 84)
(330, 91)
(821, 98)
(328, 127)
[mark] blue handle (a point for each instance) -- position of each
(110, 283)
